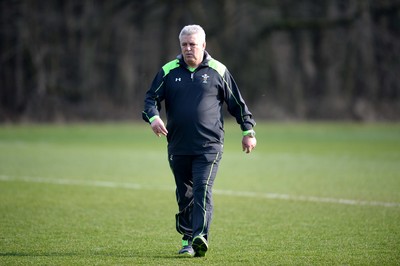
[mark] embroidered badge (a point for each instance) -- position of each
(205, 78)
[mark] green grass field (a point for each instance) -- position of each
(103, 194)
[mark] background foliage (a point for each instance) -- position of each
(64, 60)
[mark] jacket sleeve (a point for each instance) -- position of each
(154, 97)
(236, 105)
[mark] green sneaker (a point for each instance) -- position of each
(187, 250)
(200, 246)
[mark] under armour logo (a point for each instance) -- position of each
(177, 79)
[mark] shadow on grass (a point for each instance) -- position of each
(32, 254)
(95, 254)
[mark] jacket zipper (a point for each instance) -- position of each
(191, 75)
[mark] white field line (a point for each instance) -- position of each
(247, 194)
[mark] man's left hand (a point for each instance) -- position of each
(248, 143)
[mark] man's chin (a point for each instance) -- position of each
(190, 60)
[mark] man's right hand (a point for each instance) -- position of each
(158, 127)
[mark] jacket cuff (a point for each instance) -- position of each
(153, 118)
(247, 126)
(245, 133)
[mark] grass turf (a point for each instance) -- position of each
(102, 194)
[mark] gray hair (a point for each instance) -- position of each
(193, 29)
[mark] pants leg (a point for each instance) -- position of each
(205, 169)
(181, 167)
(194, 178)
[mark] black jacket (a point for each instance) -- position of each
(193, 104)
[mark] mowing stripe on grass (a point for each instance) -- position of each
(247, 194)
(306, 198)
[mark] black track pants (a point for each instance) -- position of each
(194, 178)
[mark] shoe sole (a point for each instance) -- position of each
(186, 255)
(200, 246)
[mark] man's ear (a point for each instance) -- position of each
(204, 45)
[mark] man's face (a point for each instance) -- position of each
(192, 49)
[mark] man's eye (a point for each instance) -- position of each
(189, 44)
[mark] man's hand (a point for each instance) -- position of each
(158, 127)
(248, 143)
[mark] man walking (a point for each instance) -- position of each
(194, 87)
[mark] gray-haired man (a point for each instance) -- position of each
(194, 87)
